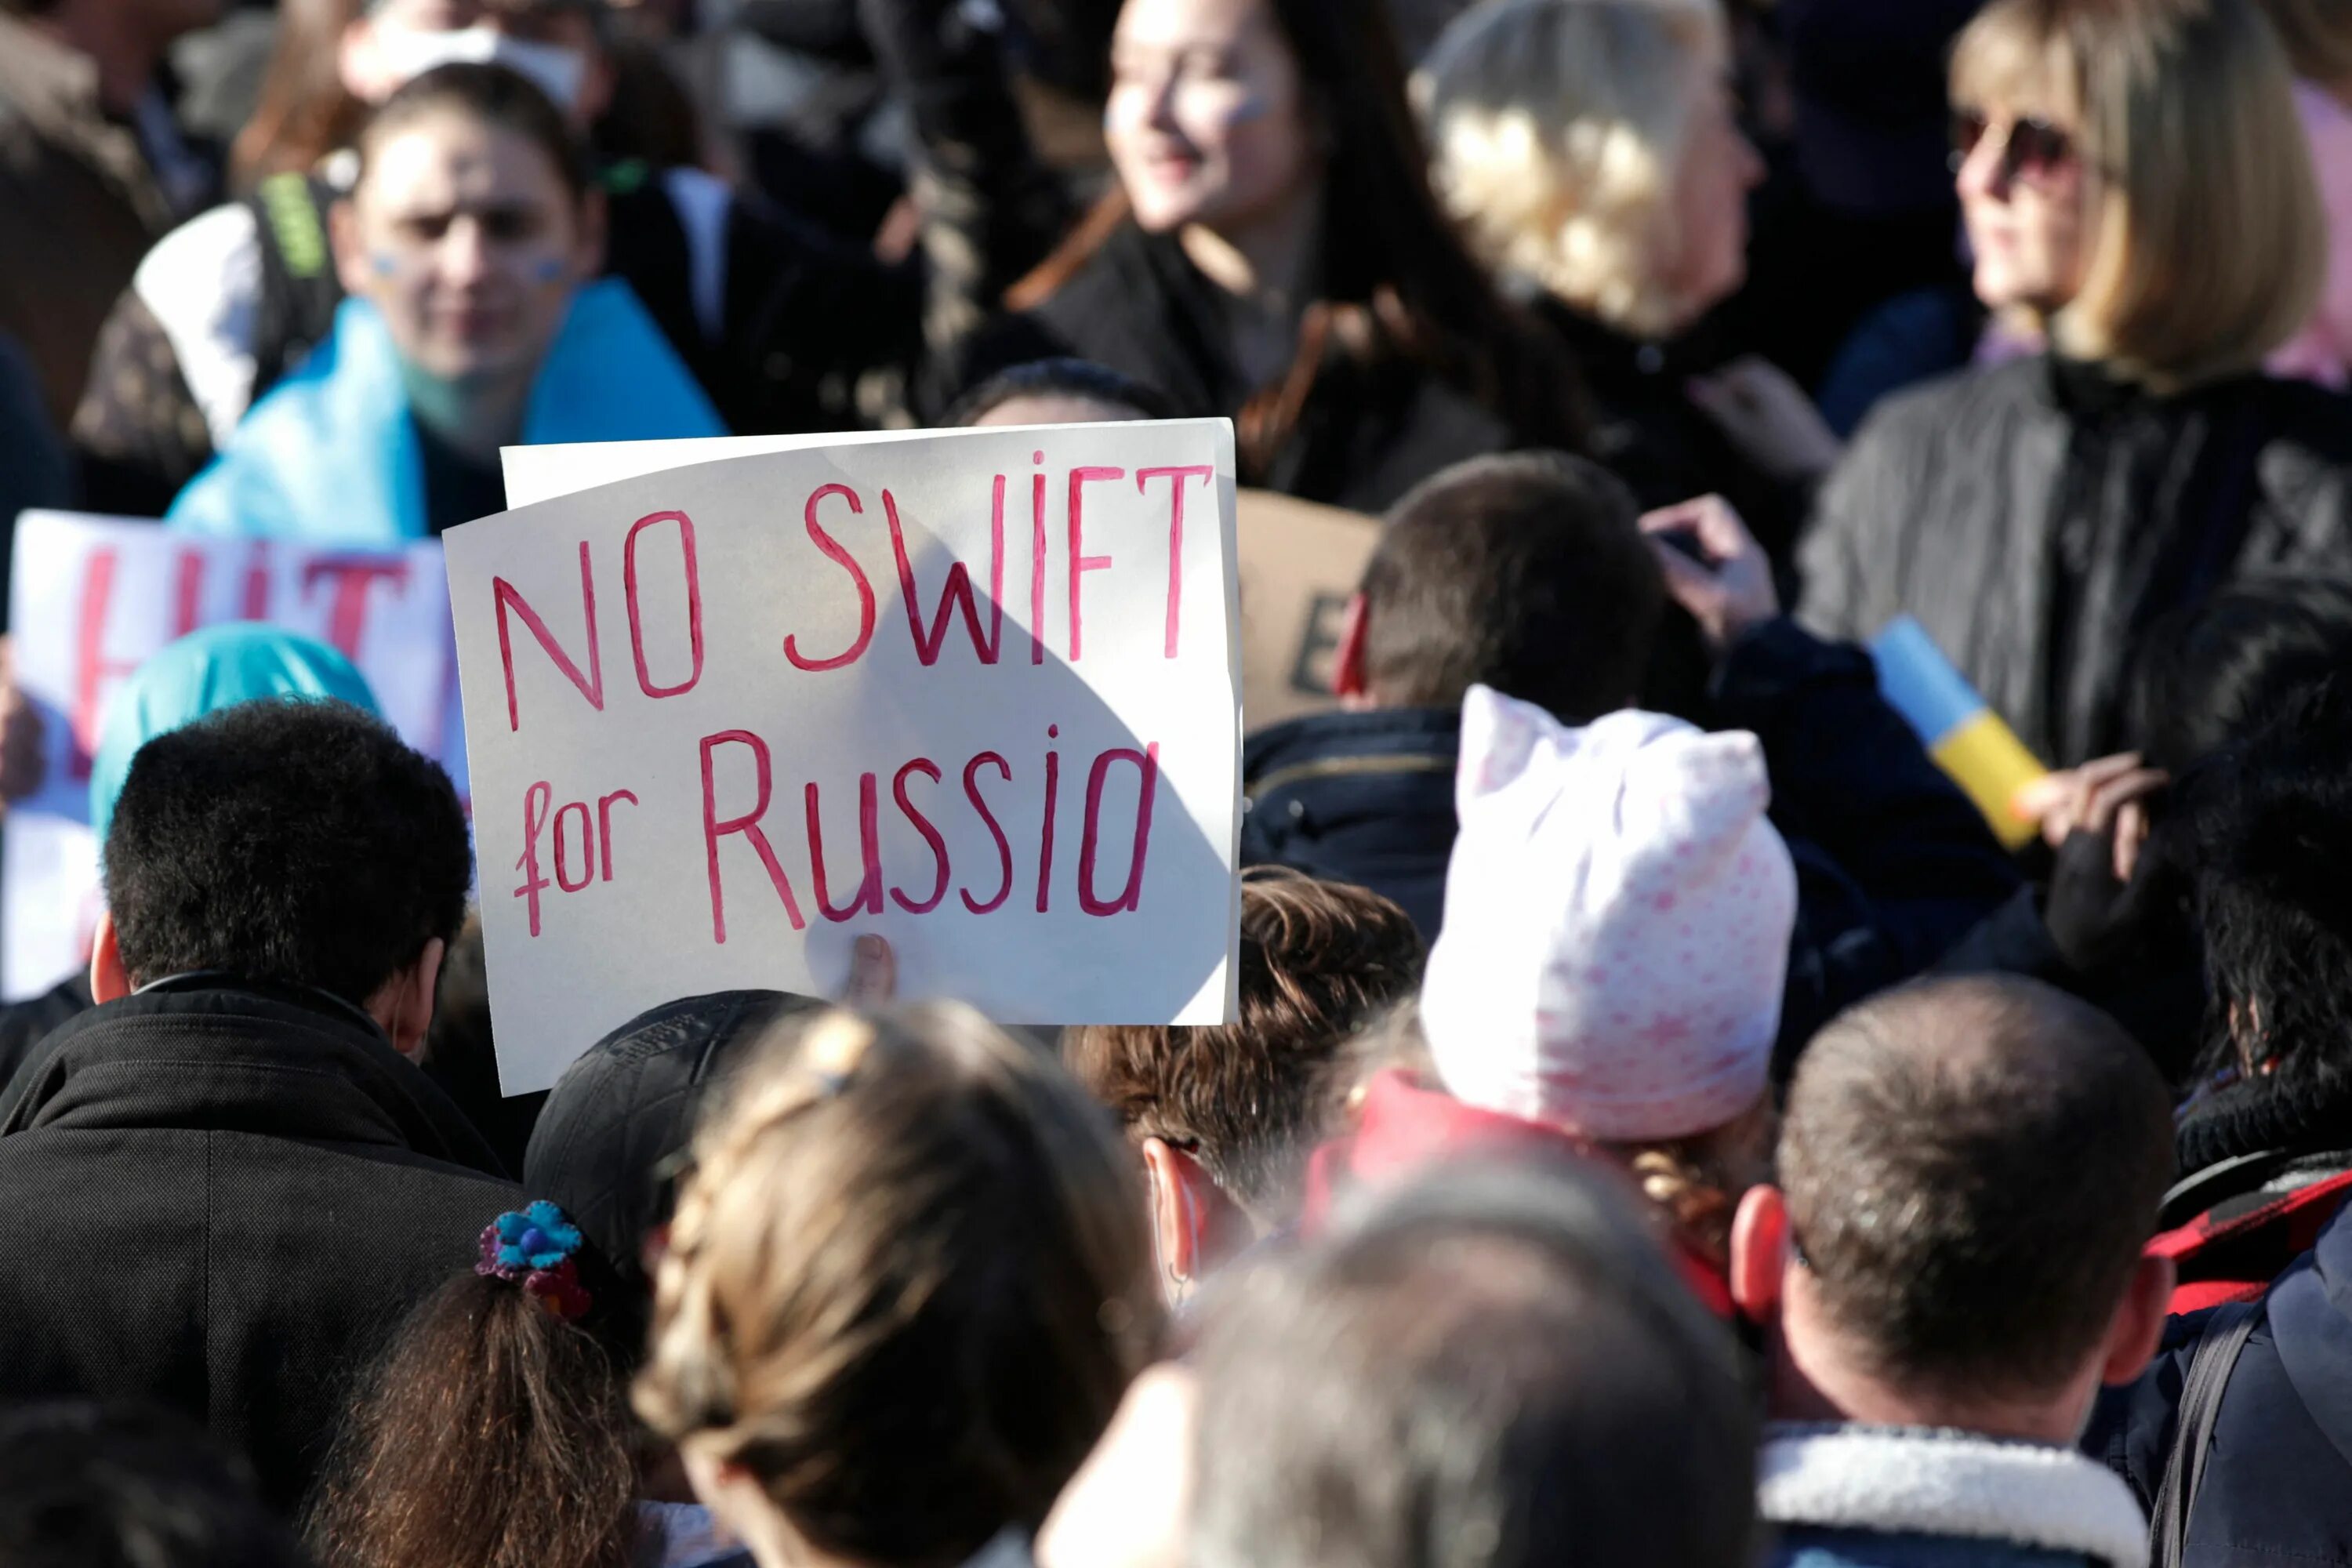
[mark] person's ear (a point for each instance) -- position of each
(1194, 1227)
(1347, 664)
(2138, 1326)
(404, 1005)
(1760, 1253)
(354, 268)
(109, 981)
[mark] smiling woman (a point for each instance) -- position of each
(1272, 252)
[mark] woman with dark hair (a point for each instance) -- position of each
(1272, 251)
(496, 1432)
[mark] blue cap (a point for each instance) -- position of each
(203, 673)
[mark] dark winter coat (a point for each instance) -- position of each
(2036, 518)
(2277, 1486)
(221, 1199)
(1369, 432)
(1893, 863)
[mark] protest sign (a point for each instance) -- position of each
(1300, 564)
(92, 598)
(973, 691)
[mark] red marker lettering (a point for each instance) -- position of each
(92, 669)
(1080, 562)
(1045, 838)
(1036, 563)
(693, 603)
(1003, 846)
(591, 685)
(587, 846)
(1147, 763)
(1175, 535)
(868, 897)
(922, 825)
(848, 562)
(535, 802)
(748, 824)
(347, 618)
(604, 825)
(958, 593)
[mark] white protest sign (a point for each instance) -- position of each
(92, 598)
(974, 691)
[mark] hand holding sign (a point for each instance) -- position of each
(971, 692)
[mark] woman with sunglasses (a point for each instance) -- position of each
(2135, 183)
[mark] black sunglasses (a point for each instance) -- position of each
(2033, 148)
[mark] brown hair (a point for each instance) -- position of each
(1694, 1184)
(1250, 1099)
(494, 1435)
(304, 112)
(2319, 38)
(1397, 279)
(1525, 571)
(2206, 244)
(1972, 1167)
(907, 1284)
(495, 95)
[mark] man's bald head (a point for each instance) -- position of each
(1971, 1168)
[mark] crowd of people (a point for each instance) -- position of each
(1663, 1122)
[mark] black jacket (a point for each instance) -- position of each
(1893, 863)
(2277, 1486)
(2037, 518)
(1370, 431)
(221, 1200)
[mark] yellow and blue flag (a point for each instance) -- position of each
(1969, 740)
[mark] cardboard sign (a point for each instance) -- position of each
(974, 691)
(92, 598)
(1300, 564)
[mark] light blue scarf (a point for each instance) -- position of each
(330, 456)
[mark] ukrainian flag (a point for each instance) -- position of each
(1968, 739)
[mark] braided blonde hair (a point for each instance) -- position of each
(907, 1286)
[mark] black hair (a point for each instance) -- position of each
(1972, 1167)
(91, 1486)
(288, 840)
(1060, 377)
(1497, 1368)
(494, 94)
(2271, 818)
(1525, 571)
(2207, 671)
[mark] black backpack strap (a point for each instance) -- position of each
(300, 290)
(2226, 1333)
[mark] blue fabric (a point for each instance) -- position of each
(1805, 1546)
(1920, 683)
(203, 673)
(331, 457)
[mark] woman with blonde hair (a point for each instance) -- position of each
(907, 1285)
(1590, 153)
(2133, 179)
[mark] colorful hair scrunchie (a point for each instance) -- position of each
(538, 1249)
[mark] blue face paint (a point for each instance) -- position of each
(383, 265)
(548, 271)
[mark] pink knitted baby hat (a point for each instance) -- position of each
(1617, 921)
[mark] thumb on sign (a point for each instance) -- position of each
(873, 974)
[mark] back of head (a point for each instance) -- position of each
(1558, 128)
(2273, 822)
(203, 673)
(496, 1430)
(286, 841)
(2210, 672)
(1251, 1098)
(87, 1486)
(1055, 390)
(1971, 1169)
(1493, 1367)
(1527, 572)
(2139, 84)
(2319, 38)
(907, 1286)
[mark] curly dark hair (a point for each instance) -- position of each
(288, 840)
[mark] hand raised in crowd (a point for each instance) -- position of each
(21, 732)
(2105, 884)
(1714, 567)
(1769, 417)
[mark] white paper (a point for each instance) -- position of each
(604, 795)
(92, 598)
